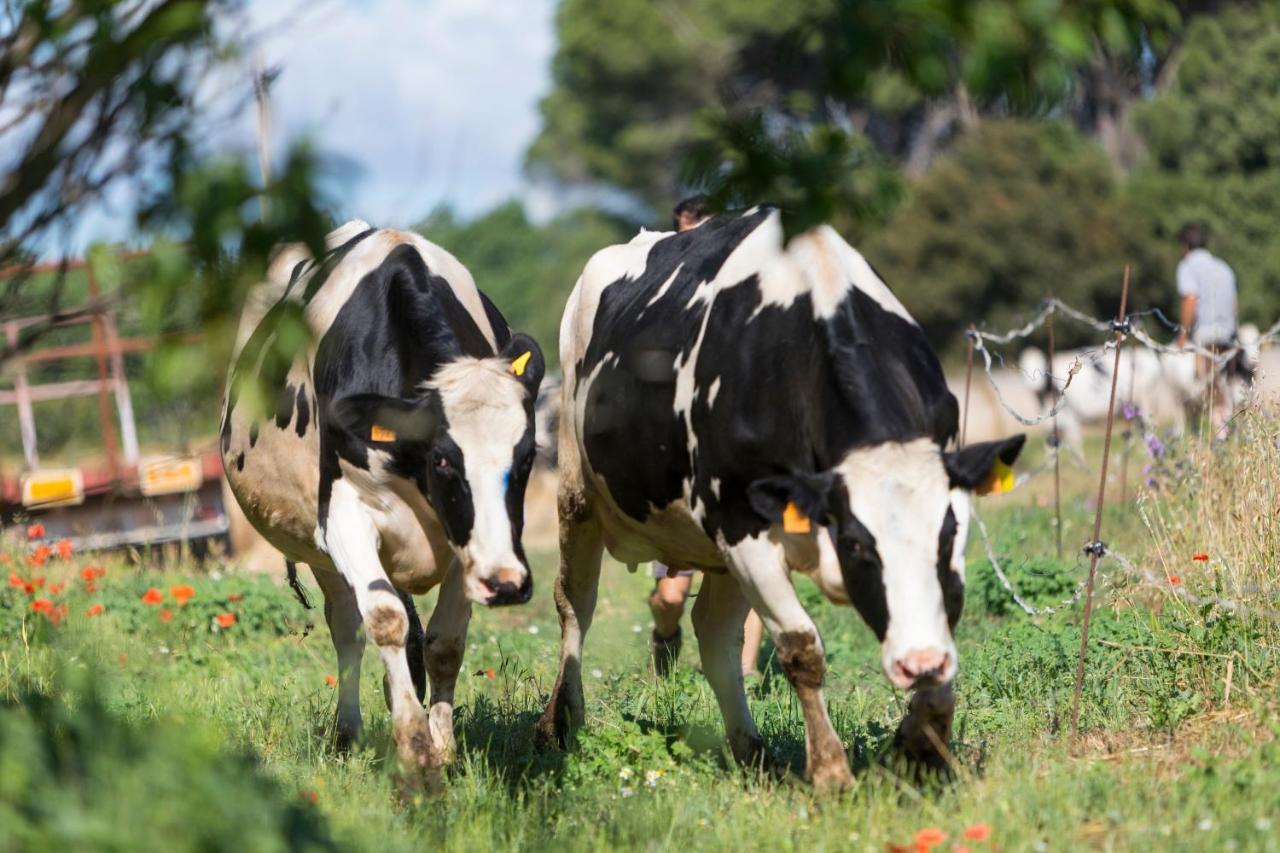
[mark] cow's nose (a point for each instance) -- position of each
(921, 668)
(509, 586)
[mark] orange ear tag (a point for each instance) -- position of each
(999, 481)
(381, 433)
(795, 521)
(519, 364)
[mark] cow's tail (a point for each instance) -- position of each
(294, 584)
(1245, 363)
(1034, 367)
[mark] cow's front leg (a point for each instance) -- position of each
(345, 628)
(718, 616)
(352, 542)
(760, 567)
(446, 642)
(581, 548)
(925, 731)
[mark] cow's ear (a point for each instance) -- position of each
(793, 499)
(986, 468)
(524, 361)
(380, 420)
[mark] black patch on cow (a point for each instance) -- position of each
(633, 439)
(860, 564)
(240, 461)
(285, 402)
(952, 585)
(383, 585)
(304, 412)
(401, 323)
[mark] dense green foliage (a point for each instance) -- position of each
(1214, 142)
(1015, 211)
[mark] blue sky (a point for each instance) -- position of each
(424, 102)
(433, 101)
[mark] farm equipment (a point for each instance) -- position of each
(120, 498)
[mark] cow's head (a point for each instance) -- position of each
(467, 439)
(898, 517)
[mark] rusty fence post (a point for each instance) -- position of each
(1095, 547)
(1057, 438)
(968, 380)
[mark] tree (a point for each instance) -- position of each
(528, 270)
(1015, 210)
(105, 95)
(1214, 150)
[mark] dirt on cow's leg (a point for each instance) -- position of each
(581, 548)
(346, 629)
(718, 616)
(803, 661)
(446, 640)
(924, 735)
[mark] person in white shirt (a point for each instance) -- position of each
(1207, 286)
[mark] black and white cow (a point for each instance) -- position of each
(392, 458)
(747, 409)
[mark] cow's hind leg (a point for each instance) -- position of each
(352, 541)
(445, 642)
(581, 548)
(718, 616)
(759, 565)
(345, 627)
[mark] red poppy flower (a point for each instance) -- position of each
(15, 580)
(489, 673)
(1200, 557)
(166, 615)
(38, 556)
(236, 596)
(56, 588)
(38, 582)
(123, 657)
(1175, 580)
(42, 605)
(28, 588)
(88, 574)
(95, 610)
(929, 837)
(225, 620)
(90, 586)
(35, 531)
(182, 593)
(64, 548)
(58, 613)
(331, 680)
(978, 832)
(152, 596)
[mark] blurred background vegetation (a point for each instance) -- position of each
(980, 153)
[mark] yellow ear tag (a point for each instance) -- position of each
(999, 481)
(381, 433)
(795, 521)
(518, 366)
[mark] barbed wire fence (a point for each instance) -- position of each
(1125, 328)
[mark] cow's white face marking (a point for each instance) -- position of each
(901, 493)
(484, 407)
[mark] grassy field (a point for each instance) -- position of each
(154, 726)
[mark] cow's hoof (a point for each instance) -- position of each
(345, 736)
(551, 732)
(833, 778)
(751, 752)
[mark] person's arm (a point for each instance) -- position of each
(1188, 318)
(1187, 290)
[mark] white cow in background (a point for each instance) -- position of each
(1163, 386)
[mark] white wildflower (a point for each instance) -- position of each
(533, 629)
(1205, 824)
(625, 773)
(595, 673)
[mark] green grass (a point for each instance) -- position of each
(133, 733)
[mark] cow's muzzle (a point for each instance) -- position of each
(929, 667)
(508, 586)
